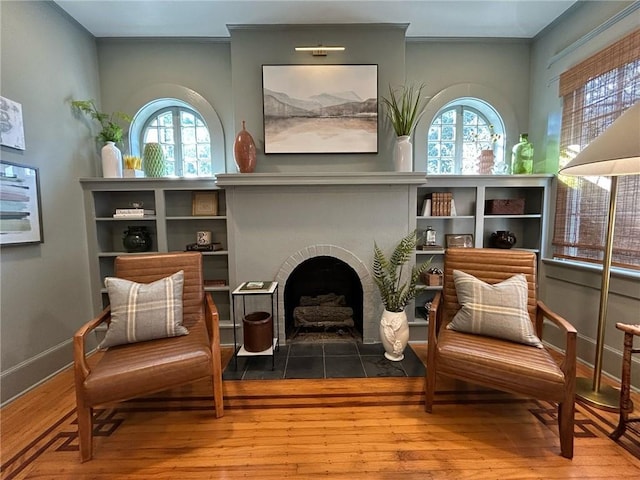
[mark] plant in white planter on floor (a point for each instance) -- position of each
(396, 291)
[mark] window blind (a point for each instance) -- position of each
(595, 92)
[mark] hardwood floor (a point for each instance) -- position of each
(363, 428)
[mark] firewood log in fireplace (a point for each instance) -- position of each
(328, 310)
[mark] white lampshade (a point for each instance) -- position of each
(615, 152)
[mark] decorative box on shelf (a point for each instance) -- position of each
(432, 277)
(505, 206)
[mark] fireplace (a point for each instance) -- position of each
(278, 221)
(323, 294)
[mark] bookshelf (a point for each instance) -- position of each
(172, 227)
(470, 194)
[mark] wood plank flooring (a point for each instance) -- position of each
(310, 429)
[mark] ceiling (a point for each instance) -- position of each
(210, 18)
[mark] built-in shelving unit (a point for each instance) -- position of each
(172, 228)
(470, 194)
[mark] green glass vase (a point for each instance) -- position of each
(522, 156)
(153, 162)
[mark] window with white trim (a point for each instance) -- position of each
(184, 138)
(457, 135)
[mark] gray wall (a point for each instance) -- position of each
(46, 60)
(575, 293)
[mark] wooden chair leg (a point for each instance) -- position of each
(218, 401)
(625, 388)
(429, 390)
(566, 413)
(85, 432)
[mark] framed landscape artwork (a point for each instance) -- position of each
(320, 108)
(20, 220)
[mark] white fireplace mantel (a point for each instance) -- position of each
(320, 178)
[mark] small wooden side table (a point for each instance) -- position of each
(626, 405)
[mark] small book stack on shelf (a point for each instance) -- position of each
(133, 212)
(209, 247)
(440, 204)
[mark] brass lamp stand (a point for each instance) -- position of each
(592, 392)
(614, 153)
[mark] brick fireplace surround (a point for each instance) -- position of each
(276, 221)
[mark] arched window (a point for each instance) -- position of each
(457, 135)
(184, 138)
(185, 124)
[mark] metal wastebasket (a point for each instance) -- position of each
(257, 331)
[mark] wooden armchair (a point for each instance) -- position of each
(497, 363)
(132, 370)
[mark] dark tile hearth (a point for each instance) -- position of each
(330, 359)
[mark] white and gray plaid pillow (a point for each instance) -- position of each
(144, 311)
(498, 310)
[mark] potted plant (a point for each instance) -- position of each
(404, 107)
(111, 133)
(396, 291)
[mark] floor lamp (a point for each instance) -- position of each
(614, 153)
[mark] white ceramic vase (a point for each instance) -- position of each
(403, 154)
(394, 333)
(111, 161)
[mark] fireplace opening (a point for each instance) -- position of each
(323, 296)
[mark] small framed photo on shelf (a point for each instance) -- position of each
(455, 240)
(205, 203)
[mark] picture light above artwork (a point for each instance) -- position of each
(320, 50)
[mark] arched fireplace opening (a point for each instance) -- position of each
(323, 294)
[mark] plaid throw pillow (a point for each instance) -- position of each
(144, 311)
(498, 310)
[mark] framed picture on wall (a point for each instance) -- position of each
(12, 131)
(20, 219)
(320, 108)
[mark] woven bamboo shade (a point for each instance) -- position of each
(595, 92)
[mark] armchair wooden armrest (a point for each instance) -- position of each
(434, 318)
(568, 365)
(79, 341)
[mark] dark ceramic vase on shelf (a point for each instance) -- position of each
(503, 239)
(136, 239)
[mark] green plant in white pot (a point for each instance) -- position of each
(110, 134)
(397, 289)
(404, 106)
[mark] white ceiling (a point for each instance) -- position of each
(209, 18)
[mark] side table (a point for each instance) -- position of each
(256, 288)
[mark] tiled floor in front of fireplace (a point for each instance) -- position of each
(326, 359)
